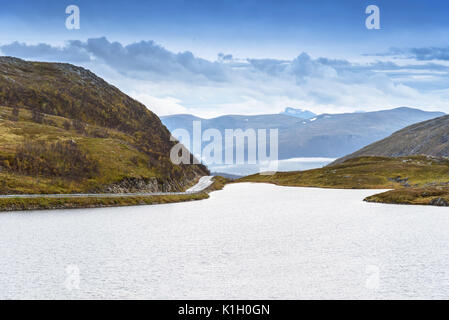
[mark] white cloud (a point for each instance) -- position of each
(171, 83)
(160, 106)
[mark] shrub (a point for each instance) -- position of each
(36, 116)
(15, 114)
(60, 159)
(79, 126)
(67, 125)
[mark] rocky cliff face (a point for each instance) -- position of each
(133, 185)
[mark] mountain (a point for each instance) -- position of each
(425, 138)
(63, 130)
(326, 135)
(299, 113)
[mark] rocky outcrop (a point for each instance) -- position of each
(440, 202)
(132, 185)
(403, 181)
(138, 185)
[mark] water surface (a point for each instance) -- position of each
(293, 164)
(249, 241)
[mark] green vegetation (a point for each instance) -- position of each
(365, 173)
(436, 196)
(47, 158)
(22, 204)
(428, 137)
(17, 204)
(218, 184)
(64, 130)
(59, 159)
(416, 179)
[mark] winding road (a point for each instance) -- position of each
(202, 184)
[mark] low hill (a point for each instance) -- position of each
(65, 130)
(366, 173)
(427, 138)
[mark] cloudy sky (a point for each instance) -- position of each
(214, 57)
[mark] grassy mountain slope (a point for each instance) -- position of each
(365, 173)
(65, 130)
(429, 138)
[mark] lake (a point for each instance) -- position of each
(249, 241)
(293, 164)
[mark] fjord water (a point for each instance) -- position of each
(247, 241)
(293, 164)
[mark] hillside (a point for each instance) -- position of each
(366, 173)
(420, 180)
(65, 130)
(428, 138)
(326, 135)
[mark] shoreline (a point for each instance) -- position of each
(436, 197)
(403, 196)
(78, 201)
(31, 204)
(412, 180)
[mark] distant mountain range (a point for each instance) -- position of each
(325, 135)
(425, 138)
(299, 113)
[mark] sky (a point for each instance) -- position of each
(215, 57)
